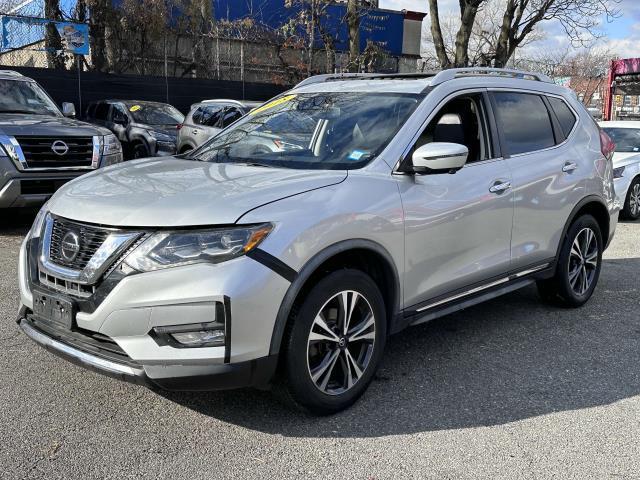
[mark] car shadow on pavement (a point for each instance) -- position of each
(17, 221)
(506, 360)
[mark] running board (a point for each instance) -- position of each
(473, 296)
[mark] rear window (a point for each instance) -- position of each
(564, 114)
(525, 122)
(208, 115)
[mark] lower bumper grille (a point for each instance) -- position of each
(66, 286)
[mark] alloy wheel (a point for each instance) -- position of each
(583, 261)
(634, 200)
(341, 342)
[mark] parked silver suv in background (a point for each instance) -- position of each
(40, 149)
(412, 197)
(208, 118)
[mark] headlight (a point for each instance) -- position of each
(162, 137)
(618, 172)
(172, 249)
(111, 145)
(36, 228)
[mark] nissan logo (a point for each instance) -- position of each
(70, 246)
(59, 147)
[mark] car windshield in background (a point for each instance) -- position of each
(626, 139)
(336, 130)
(17, 96)
(155, 114)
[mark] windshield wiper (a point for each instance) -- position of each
(251, 164)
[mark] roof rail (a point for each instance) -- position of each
(10, 73)
(335, 77)
(450, 74)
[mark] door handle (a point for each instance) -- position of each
(500, 187)
(569, 167)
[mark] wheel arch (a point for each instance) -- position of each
(362, 254)
(594, 206)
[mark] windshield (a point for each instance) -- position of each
(19, 96)
(155, 114)
(626, 139)
(336, 130)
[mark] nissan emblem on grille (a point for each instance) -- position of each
(59, 147)
(70, 246)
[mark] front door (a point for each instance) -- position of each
(457, 226)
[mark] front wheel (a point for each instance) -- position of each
(579, 264)
(140, 151)
(334, 342)
(631, 209)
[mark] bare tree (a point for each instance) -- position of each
(496, 42)
(353, 26)
(52, 40)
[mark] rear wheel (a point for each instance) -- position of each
(631, 209)
(579, 264)
(334, 343)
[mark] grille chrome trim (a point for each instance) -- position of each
(111, 248)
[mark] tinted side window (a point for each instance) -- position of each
(525, 122)
(91, 110)
(565, 116)
(196, 117)
(231, 114)
(102, 111)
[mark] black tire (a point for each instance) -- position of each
(296, 383)
(567, 287)
(631, 210)
(186, 149)
(140, 150)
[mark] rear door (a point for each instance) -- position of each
(546, 170)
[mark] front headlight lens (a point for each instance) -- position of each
(618, 172)
(172, 249)
(36, 228)
(111, 145)
(162, 137)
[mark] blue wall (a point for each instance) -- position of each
(381, 26)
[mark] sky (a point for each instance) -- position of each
(621, 36)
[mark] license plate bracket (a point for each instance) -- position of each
(54, 308)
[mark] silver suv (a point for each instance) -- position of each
(40, 149)
(412, 197)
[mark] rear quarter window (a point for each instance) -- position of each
(564, 114)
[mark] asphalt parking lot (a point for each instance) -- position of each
(509, 389)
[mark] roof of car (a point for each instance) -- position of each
(13, 75)
(620, 123)
(243, 103)
(415, 82)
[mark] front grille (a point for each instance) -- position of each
(90, 239)
(38, 151)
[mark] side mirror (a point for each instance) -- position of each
(438, 157)
(68, 110)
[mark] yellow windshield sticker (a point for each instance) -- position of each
(134, 108)
(274, 103)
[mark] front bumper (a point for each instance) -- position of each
(253, 373)
(621, 186)
(130, 311)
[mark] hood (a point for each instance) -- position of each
(621, 159)
(46, 126)
(172, 192)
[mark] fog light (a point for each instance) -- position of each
(209, 334)
(200, 337)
